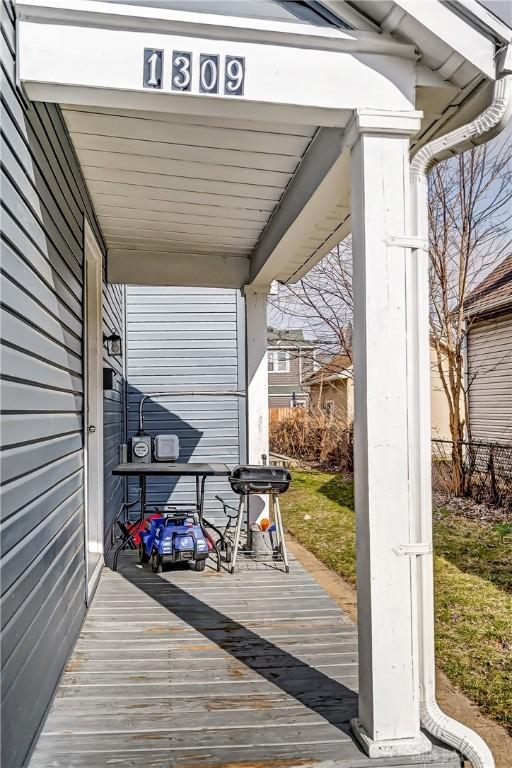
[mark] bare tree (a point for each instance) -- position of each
(470, 201)
(322, 302)
(470, 206)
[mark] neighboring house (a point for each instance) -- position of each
(291, 359)
(331, 388)
(439, 409)
(488, 311)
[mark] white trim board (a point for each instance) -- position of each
(215, 26)
(93, 410)
(282, 80)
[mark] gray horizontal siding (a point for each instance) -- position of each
(186, 339)
(113, 408)
(291, 378)
(44, 201)
(490, 377)
(279, 401)
(281, 385)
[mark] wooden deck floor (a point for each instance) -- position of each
(256, 670)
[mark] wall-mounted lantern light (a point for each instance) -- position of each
(113, 344)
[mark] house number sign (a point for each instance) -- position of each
(214, 72)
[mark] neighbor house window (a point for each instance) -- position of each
(329, 407)
(279, 361)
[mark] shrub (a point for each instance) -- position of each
(315, 437)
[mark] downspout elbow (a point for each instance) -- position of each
(480, 130)
(455, 734)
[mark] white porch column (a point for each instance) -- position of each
(257, 383)
(389, 722)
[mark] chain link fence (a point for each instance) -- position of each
(486, 467)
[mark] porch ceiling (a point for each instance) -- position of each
(228, 190)
(184, 186)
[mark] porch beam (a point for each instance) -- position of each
(389, 722)
(313, 84)
(173, 267)
(309, 192)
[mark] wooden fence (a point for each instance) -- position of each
(275, 415)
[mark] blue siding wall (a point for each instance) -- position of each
(113, 407)
(44, 201)
(188, 339)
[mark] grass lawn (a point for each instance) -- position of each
(473, 583)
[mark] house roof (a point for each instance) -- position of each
(493, 293)
(293, 337)
(334, 369)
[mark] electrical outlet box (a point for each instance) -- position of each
(167, 448)
(109, 377)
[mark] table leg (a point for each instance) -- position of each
(279, 526)
(200, 492)
(238, 531)
(124, 542)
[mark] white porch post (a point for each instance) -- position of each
(389, 722)
(257, 383)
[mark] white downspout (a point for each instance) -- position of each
(480, 130)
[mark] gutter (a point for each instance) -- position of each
(498, 308)
(480, 130)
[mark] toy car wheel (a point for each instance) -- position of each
(200, 565)
(143, 556)
(228, 551)
(155, 562)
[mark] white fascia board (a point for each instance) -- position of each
(215, 26)
(438, 19)
(341, 376)
(74, 63)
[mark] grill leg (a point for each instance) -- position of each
(279, 526)
(238, 531)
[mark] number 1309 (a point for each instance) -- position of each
(209, 78)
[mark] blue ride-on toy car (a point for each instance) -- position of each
(175, 538)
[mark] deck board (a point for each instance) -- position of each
(202, 670)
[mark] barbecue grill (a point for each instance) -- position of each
(271, 481)
(254, 478)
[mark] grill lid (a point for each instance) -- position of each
(254, 478)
